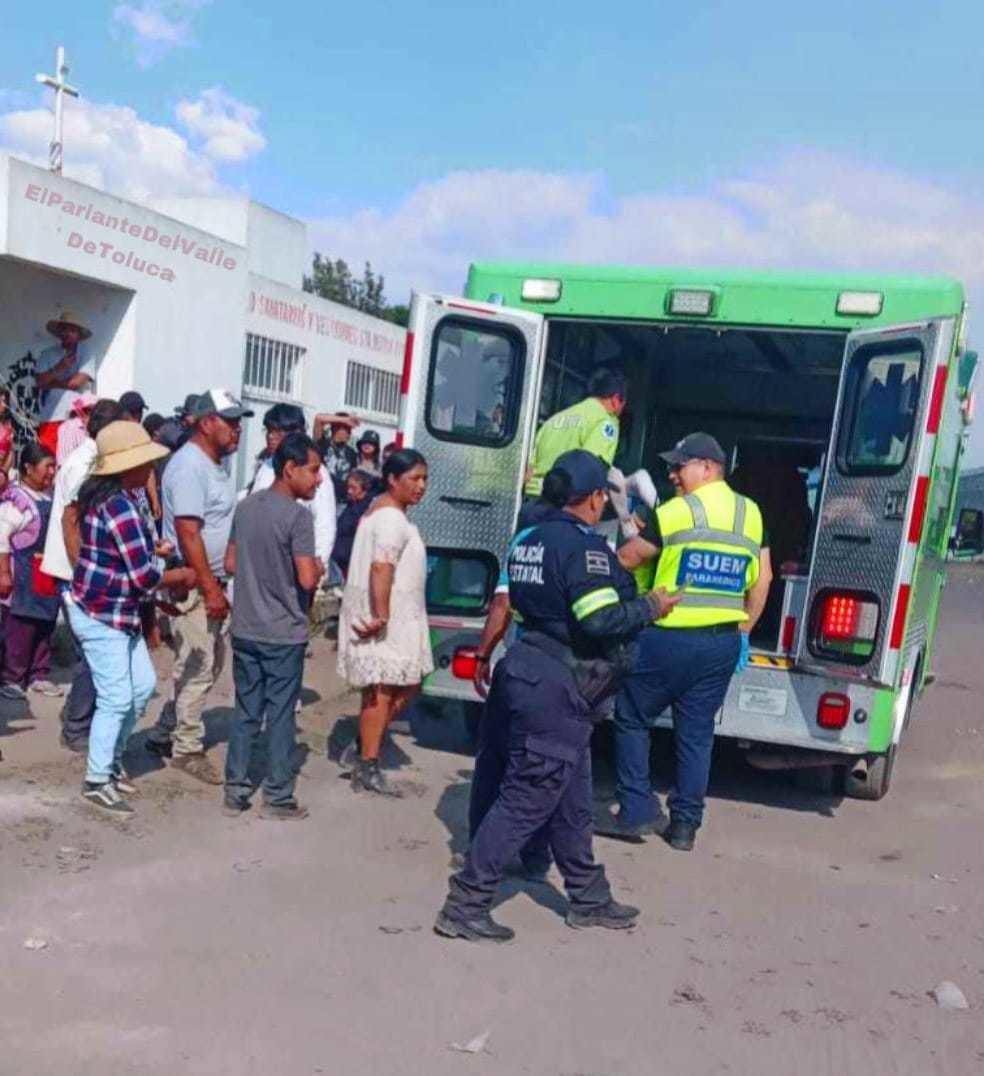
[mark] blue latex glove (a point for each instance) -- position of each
(744, 653)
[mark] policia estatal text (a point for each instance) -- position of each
(580, 612)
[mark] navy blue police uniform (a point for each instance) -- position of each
(579, 611)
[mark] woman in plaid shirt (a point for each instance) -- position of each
(120, 567)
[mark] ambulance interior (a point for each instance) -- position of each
(767, 395)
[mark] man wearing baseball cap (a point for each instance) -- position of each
(199, 499)
(133, 405)
(707, 547)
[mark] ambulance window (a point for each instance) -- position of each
(458, 582)
(476, 374)
(882, 399)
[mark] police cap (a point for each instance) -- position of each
(695, 446)
(585, 471)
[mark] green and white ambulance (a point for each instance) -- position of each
(843, 403)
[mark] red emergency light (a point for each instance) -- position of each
(833, 710)
(464, 664)
(845, 625)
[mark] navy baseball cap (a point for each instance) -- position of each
(695, 446)
(585, 470)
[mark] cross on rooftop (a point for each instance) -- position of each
(61, 87)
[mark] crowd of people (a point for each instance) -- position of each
(130, 527)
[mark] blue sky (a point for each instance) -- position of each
(421, 136)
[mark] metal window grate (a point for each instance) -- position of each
(371, 389)
(272, 368)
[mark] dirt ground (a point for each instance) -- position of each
(803, 935)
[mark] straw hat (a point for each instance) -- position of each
(124, 446)
(67, 317)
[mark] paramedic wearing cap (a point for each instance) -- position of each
(580, 612)
(199, 501)
(591, 424)
(713, 554)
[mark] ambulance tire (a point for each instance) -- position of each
(876, 784)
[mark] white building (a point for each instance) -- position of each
(183, 295)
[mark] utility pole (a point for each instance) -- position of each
(61, 87)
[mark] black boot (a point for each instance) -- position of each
(681, 836)
(368, 777)
(609, 824)
(612, 915)
(478, 928)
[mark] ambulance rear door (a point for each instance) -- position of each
(470, 382)
(873, 500)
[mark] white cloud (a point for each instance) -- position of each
(111, 147)
(228, 128)
(806, 210)
(157, 26)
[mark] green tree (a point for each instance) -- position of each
(334, 280)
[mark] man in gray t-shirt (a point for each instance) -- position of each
(271, 554)
(199, 499)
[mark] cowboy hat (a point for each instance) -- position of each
(122, 447)
(65, 318)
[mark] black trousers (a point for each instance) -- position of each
(546, 786)
(80, 705)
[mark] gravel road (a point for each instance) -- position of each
(804, 935)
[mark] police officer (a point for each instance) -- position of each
(713, 554)
(591, 424)
(492, 754)
(579, 612)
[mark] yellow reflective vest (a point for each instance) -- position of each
(586, 425)
(711, 541)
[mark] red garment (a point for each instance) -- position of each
(6, 438)
(48, 436)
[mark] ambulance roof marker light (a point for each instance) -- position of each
(860, 304)
(541, 290)
(690, 302)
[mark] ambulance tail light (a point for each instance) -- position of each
(833, 710)
(845, 625)
(860, 304)
(536, 290)
(464, 664)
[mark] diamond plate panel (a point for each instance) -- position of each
(856, 546)
(474, 490)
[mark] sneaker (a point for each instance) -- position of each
(14, 692)
(681, 836)
(123, 783)
(613, 916)
(234, 806)
(158, 748)
(608, 823)
(106, 796)
(199, 766)
(368, 777)
(479, 928)
(46, 687)
(283, 812)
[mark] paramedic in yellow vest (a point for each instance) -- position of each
(708, 543)
(591, 424)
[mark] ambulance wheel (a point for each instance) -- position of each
(879, 778)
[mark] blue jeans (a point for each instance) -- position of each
(688, 669)
(268, 684)
(125, 680)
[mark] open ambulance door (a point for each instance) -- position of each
(470, 381)
(873, 502)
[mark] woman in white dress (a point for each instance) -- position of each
(383, 638)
